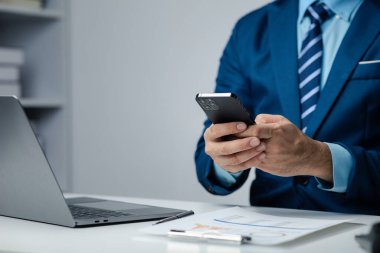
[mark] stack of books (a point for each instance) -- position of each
(11, 60)
(32, 4)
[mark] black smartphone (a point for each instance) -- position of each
(223, 108)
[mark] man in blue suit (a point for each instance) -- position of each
(310, 73)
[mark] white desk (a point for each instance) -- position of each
(26, 236)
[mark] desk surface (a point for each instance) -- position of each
(26, 236)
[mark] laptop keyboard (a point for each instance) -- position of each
(81, 212)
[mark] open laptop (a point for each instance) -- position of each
(29, 189)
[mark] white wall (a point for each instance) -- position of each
(136, 67)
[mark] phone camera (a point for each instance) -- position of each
(208, 104)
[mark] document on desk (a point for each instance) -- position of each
(262, 228)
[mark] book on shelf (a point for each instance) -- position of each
(31, 4)
(11, 59)
(11, 56)
(9, 74)
(10, 89)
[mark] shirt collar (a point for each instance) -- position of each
(345, 9)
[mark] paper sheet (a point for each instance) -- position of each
(264, 229)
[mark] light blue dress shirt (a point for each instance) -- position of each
(333, 32)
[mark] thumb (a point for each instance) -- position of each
(268, 118)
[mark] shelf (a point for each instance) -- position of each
(34, 103)
(10, 11)
(42, 33)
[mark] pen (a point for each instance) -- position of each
(209, 236)
(174, 217)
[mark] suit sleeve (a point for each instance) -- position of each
(230, 79)
(364, 180)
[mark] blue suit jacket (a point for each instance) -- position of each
(259, 64)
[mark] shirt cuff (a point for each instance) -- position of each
(225, 178)
(342, 167)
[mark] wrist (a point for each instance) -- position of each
(320, 162)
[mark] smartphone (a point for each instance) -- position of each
(223, 108)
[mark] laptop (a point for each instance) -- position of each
(30, 191)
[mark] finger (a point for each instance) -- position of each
(216, 131)
(261, 131)
(241, 157)
(235, 146)
(253, 162)
(269, 118)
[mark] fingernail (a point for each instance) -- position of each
(241, 126)
(254, 142)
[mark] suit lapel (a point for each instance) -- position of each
(283, 44)
(360, 35)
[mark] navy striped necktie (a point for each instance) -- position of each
(310, 63)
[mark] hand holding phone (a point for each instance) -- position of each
(231, 153)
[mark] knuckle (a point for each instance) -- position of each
(207, 133)
(280, 128)
(205, 136)
(259, 117)
(283, 126)
(279, 131)
(286, 124)
(208, 150)
(210, 131)
(224, 148)
(235, 159)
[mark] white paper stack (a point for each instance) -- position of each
(11, 60)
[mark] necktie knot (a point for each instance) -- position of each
(318, 13)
